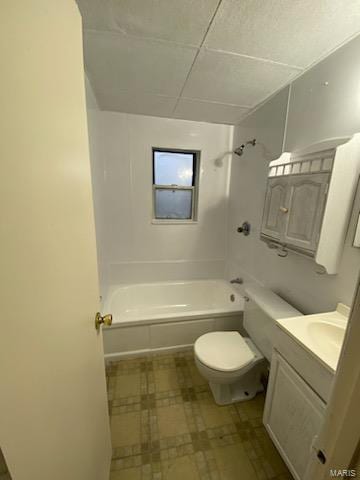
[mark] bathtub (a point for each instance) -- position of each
(164, 316)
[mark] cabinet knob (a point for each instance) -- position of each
(284, 209)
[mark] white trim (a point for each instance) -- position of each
(169, 221)
(282, 160)
(113, 357)
(181, 260)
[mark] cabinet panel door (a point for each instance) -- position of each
(293, 415)
(305, 202)
(272, 223)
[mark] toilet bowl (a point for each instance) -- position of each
(235, 365)
(232, 365)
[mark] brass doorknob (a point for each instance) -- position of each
(284, 209)
(106, 320)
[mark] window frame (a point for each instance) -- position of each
(194, 187)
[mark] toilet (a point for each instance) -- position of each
(235, 365)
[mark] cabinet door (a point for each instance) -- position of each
(293, 415)
(272, 223)
(305, 202)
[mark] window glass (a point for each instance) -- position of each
(172, 168)
(173, 204)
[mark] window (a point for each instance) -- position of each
(175, 184)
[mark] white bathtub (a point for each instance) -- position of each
(168, 315)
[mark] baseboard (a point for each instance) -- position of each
(113, 357)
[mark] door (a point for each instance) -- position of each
(272, 223)
(305, 203)
(53, 407)
(293, 415)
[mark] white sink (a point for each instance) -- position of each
(321, 334)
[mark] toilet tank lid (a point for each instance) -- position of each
(274, 306)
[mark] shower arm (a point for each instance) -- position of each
(240, 150)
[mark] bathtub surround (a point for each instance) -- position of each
(323, 103)
(131, 248)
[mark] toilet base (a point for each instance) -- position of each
(245, 388)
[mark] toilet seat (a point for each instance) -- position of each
(223, 351)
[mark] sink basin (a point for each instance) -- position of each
(327, 336)
(321, 334)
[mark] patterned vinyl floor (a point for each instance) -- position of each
(165, 425)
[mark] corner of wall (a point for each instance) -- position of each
(91, 101)
(286, 118)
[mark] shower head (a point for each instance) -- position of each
(240, 150)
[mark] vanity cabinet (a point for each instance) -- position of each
(293, 415)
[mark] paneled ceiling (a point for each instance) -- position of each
(206, 60)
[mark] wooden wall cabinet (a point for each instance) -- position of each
(294, 208)
(309, 199)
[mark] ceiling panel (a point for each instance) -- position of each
(139, 103)
(227, 78)
(141, 54)
(183, 21)
(289, 31)
(190, 109)
(116, 62)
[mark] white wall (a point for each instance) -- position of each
(130, 247)
(316, 111)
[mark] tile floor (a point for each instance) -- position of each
(166, 426)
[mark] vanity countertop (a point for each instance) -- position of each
(321, 334)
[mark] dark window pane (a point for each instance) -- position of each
(173, 168)
(175, 204)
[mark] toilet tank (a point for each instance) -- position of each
(261, 309)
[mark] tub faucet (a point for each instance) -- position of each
(237, 280)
